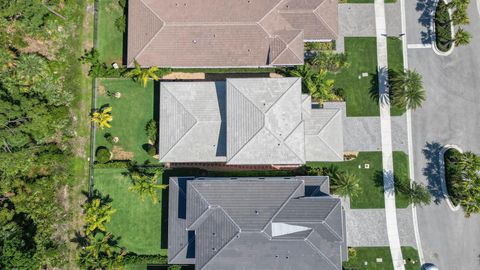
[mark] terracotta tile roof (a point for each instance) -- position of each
(226, 33)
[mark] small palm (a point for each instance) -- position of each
(103, 117)
(346, 184)
(146, 185)
(407, 89)
(143, 74)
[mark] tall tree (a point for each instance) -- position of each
(418, 194)
(406, 89)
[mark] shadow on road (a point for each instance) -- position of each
(431, 151)
(427, 8)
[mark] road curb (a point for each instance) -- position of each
(434, 36)
(443, 178)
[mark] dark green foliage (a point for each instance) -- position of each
(37, 90)
(132, 258)
(151, 129)
(102, 155)
(463, 179)
(443, 27)
(113, 164)
(120, 23)
(99, 69)
(109, 138)
(417, 193)
(329, 61)
(151, 150)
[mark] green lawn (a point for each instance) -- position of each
(362, 56)
(130, 112)
(140, 225)
(110, 39)
(371, 179)
(361, 92)
(370, 255)
(395, 61)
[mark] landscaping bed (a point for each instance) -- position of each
(371, 254)
(371, 178)
(130, 113)
(452, 173)
(443, 27)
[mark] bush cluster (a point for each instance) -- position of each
(102, 155)
(443, 30)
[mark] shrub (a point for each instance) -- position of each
(120, 23)
(102, 155)
(352, 253)
(151, 130)
(114, 164)
(151, 150)
(109, 138)
(443, 29)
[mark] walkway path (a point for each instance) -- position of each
(386, 133)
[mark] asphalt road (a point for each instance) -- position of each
(451, 115)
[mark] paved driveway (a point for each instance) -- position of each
(451, 115)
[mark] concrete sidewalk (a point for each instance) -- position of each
(386, 134)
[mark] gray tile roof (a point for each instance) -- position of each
(234, 225)
(254, 121)
(264, 121)
(324, 135)
(194, 113)
(192, 33)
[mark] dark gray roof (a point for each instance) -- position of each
(255, 223)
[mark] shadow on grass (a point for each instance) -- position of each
(125, 35)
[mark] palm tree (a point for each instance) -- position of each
(102, 117)
(406, 89)
(146, 185)
(96, 215)
(469, 163)
(346, 184)
(143, 74)
(460, 16)
(462, 37)
(305, 72)
(419, 194)
(101, 253)
(332, 62)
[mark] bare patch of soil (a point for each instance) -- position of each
(120, 154)
(101, 89)
(40, 47)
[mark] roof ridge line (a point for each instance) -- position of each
(288, 136)
(203, 199)
(329, 120)
(284, 93)
(210, 23)
(284, 203)
(188, 131)
(320, 252)
(328, 226)
(154, 36)
(254, 135)
(288, 44)
(188, 242)
(318, 134)
(323, 21)
(269, 12)
(229, 241)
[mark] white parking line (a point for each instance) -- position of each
(419, 46)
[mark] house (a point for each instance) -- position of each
(253, 121)
(255, 223)
(226, 33)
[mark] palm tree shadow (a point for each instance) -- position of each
(431, 151)
(380, 96)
